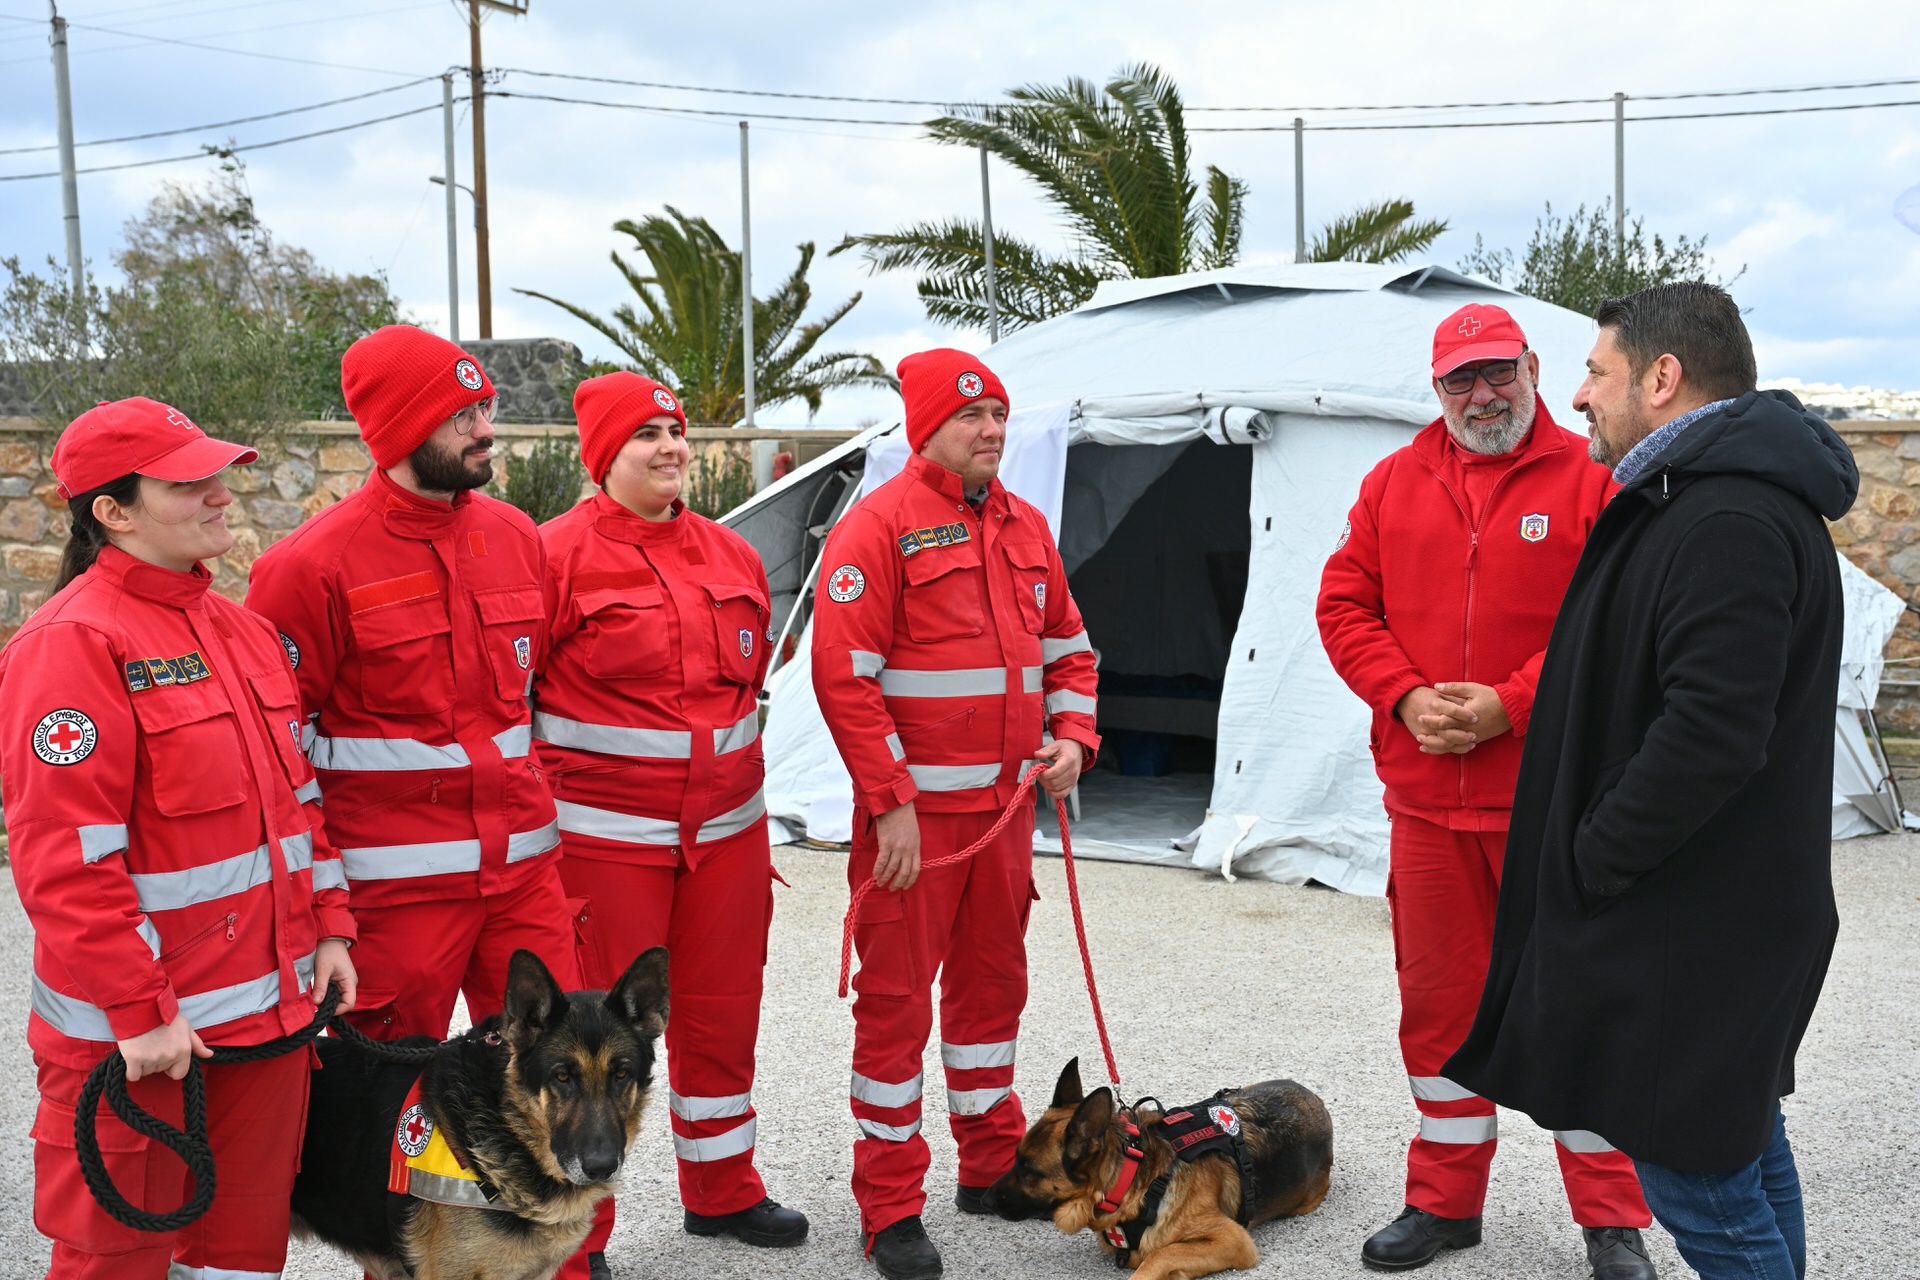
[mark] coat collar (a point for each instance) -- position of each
(612, 520)
(1543, 439)
(409, 515)
(948, 483)
(150, 581)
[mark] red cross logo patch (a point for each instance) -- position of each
(970, 384)
(1470, 325)
(664, 398)
(1534, 527)
(1224, 1117)
(523, 650)
(180, 420)
(746, 642)
(846, 583)
(65, 737)
(413, 1132)
(468, 374)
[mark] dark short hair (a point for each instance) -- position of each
(1696, 323)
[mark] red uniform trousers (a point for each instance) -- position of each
(415, 957)
(713, 920)
(967, 920)
(1442, 886)
(256, 1117)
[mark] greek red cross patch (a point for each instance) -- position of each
(414, 1131)
(1224, 1117)
(664, 398)
(746, 642)
(65, 737)
(846, 583)
(970, 384)
(1534, 527)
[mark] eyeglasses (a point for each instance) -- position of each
(469, 417)
(1495, 373)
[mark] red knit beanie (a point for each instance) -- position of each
(611, 408)
(937, 384)
(401, 383)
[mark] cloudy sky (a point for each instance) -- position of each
(1803, 205)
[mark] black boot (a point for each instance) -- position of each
(971, 1199)
(903, 1252)
(1415, 1237)
(1617, 1253)
(768, 1225)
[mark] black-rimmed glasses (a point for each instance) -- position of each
(1495, 373)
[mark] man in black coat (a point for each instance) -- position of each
(1667, 912)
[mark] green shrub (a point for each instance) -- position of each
(720, 480)
(546, 482)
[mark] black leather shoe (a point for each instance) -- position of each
(971, 1199)
(597, 1268)
(767, 1225)
(1415, 1238)
(1617, 1253)
(903, 1252)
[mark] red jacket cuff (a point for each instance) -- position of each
(1519, 707)
(335, 922)
(137, 1017)
(891, 795)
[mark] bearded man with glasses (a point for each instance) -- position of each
(1435, 608)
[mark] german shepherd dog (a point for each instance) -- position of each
(541, 1102)
(1076, 1152)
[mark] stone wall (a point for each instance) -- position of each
(1882, 535)
(535, 376)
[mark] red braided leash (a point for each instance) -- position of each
(1073, 896)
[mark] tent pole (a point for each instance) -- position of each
(1299, 190)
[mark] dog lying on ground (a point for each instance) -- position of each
(489, 1163)
(1171, 1192)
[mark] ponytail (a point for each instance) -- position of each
(85, 536)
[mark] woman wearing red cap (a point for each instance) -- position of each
(647, 726)
(166, 843)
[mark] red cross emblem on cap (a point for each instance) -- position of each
(1470, 325)
(64, 736)
(180, 420)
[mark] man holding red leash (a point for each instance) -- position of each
(948, 656)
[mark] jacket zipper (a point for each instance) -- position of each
(226, 922)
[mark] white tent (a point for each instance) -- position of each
(1196, 442)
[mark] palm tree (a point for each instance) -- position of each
(1115, 160)
(683, 327)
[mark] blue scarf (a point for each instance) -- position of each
(1641, 456)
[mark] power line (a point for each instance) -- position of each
(137, 22)
(745, 93)
(1522, 124)
(245, 146)
(243, 53)
(698, 111)
(222, 124)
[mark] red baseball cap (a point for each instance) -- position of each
(1476, 331)
(119, 437)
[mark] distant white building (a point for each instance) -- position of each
(1832, 401)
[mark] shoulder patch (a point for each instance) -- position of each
(293, 650)
(846, 583)
(65, 737)
(1346, 531)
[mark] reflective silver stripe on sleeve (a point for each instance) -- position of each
(1067, 700)
(329, 873)
(629, 828)
(893, 745)
(954, 777)
(879, 1093)
(887, 1132)
(75, 1017)
(149, 935)
(522, 845)
(171, 890)
(867, 665)
(308, 792)
(975, 1102)
(100, 839)
(967, 682)
(515, 742)
(735, 1141)
(613, 740)
(965, 1057)
(384, 755)
(717, 1108)
(1582, 1141)
(1438, 1089)
(1459, 1131)
(298, 851)
(1052, 651)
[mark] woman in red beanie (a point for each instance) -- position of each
(647, 726)
(167, 846)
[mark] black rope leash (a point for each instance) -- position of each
(109, 1079)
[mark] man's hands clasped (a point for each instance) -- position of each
(1452, 718)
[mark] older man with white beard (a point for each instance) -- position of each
(1435, 609)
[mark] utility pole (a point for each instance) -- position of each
(1299, 190)
(453, 221)
(1620, 172)
(986, 222)
(746, 276)
(477, 73)
(69, 179)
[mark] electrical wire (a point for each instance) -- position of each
(223, 124)
(245, 146)
(699, 111)
(243, 53)
(1522, 124)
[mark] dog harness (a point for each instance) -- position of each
(423, 1164)
(1201, 1129)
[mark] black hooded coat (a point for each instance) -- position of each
(1666, 909)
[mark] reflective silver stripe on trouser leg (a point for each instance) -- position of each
(1459, 1131)
(1582, 1141)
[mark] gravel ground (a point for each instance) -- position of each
(1275, 981)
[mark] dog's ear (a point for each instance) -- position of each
(1068, 1092)
(534, 1001)
(640, 997)
(1085, 1132)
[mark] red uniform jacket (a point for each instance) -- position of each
(1418, 593)
(647, 720)
(946, 646)
(415, 629)
(165, 829)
